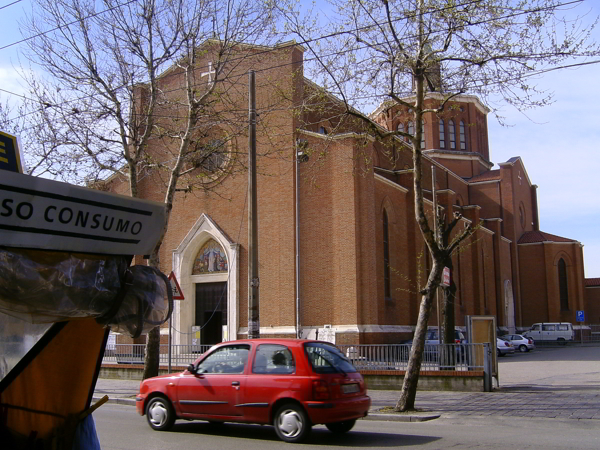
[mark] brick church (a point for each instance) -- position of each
(340, 253)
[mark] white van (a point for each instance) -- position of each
(550, 331)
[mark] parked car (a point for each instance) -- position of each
(551, 331)
(503, 347)
(291, 384)
(520, 342)
(433, 338)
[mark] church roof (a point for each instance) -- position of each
(491, 175)
(592, 282)
(532, 237)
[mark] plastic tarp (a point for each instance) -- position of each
(48, 286)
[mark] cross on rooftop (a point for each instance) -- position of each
(210, 73)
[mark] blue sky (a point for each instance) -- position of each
(559, 144)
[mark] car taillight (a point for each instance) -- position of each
(320, 390)
(530, 341)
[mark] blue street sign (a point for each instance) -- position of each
(580, 316)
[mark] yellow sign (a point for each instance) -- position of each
(9, 153)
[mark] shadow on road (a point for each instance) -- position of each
(319, 436)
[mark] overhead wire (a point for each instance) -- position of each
(273, 49)
(10, 4)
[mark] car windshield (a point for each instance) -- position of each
(326, 358)
(432, 335)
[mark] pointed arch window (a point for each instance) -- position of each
(563, 287)
(452, 133)
(386, 257)
(463, 136)
(411, 128)
(210, 259)
(422, 134)
(442, 134)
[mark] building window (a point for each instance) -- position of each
(522, 215)
(422, 134)
(211, 157)
(386, 257)
(400, 127)
(463, 136)
(322, 130)
(563, 287)
(452, 132)
(442, 134)
(411, 128)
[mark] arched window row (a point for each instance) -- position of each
(410, 129)
(451, 130)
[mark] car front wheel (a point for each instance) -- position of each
(523, 348)
(291, 423)
(160, 414)
(341, 427)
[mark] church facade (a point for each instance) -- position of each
(340, 254)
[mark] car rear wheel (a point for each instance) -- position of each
(291, 423)
(160, 414)
(341, 427)
(523, 348)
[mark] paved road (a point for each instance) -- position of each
(120, 428)
(546, 383)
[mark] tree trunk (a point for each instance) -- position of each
(408, 394)
(151, 361)
(152, 358)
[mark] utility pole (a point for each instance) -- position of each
(253, 281)
(436, 237)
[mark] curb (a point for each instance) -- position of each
(117, 400)
(399, 417)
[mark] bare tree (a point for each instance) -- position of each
(120, 79)
(419, 55)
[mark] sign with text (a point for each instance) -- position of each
(46, 214)
(446, 277)
(580, 317)
(10, 159)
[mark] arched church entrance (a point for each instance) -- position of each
(210, 295)
(207, 267)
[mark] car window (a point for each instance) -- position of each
(548, 327)
(535, 328)
(273, 358)
(326, 358)
(228, 359)
(562, 327)
(431, 335)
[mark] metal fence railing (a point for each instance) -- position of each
(181, 355)
(460, 357)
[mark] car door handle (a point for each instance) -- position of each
(235, 383)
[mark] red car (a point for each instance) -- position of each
(292, 384)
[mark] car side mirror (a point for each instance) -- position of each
(191, 369)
